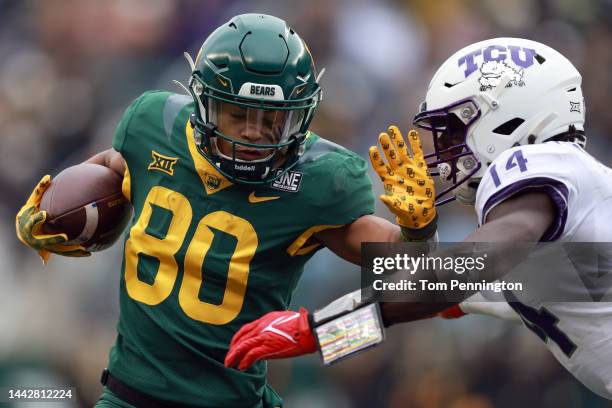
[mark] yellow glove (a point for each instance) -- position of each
(409, 189)
(29, 222)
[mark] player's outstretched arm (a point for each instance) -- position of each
(409, 194)
(524, 218)
(346, 241)
(288, 334)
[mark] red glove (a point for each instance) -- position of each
(453, 312)
(274, 335)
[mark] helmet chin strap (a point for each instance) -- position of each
(465, 193)
(461, 191)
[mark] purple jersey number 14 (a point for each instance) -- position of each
(516, 159)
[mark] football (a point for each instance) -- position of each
(85, 202)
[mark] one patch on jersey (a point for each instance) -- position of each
(290, 181)
(162, 163)
(575, 106)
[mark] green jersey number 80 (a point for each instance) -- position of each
(165, 250)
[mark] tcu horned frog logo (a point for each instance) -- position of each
(494, 61)
(492, 72)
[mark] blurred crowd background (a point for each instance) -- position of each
(68, 69)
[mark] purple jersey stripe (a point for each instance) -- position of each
(555, 189)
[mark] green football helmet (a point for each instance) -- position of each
(255, 88)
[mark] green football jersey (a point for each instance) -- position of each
(204, 256)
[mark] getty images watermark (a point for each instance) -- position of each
(426, 265)
(452, 272)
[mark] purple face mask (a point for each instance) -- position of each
(449, 127)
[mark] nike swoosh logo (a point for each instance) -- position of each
(281, 320)
(224, 83)
(253, 199)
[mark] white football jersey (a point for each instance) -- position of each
(579, 334)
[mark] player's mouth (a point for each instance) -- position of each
(252, 154)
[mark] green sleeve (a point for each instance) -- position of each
(122, 128)
(349, 191)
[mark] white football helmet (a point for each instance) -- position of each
(491, 96)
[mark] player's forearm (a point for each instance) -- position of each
(109, 158)
(423, 304)
(400, 312)
(346, 241)
(377, 230)
(505, 255)
(404, 312)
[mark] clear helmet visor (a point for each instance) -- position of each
(252, 134)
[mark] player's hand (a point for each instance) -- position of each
(409, 189)
(453, 312)
(29, 227)
(274, 335)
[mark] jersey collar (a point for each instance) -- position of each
(212, 180)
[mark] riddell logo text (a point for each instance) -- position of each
(244, 167)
